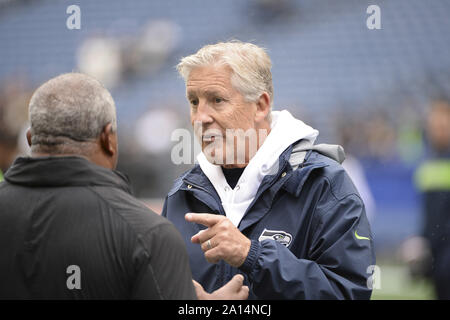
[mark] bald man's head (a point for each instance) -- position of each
(69, 114)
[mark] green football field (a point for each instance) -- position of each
(396, 284)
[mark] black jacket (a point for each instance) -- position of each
(71, 229)
(433, 181)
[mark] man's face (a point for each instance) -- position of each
(215, 107)
(439, 126)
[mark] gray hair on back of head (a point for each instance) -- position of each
(250, 65)
(70, 109)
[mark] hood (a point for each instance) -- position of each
(332, 151)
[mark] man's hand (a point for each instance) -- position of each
(233, 290)
(222, 240)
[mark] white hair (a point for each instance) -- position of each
(250, 66)
(70, 109)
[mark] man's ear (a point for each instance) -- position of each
(29, 136)
(108, 140)
(263, 107)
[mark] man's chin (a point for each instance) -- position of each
(218, 157)
(210, 156)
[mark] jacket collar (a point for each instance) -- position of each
(286, 178)
(63, 171)
(196, 176)
(195, 181)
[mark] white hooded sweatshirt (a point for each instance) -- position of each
(285, 130)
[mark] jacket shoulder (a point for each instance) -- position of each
(335, 176)
(131, 211)
(179, 181)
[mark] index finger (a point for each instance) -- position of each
(206, 219)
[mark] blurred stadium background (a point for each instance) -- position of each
(366, 89)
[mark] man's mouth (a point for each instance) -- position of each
(210, 137)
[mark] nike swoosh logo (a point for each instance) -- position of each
(359, 237)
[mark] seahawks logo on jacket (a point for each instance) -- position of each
(281, 236)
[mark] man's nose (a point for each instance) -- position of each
(203, 113)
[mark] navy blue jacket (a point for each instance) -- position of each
(310, 237)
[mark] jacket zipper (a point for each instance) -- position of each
(222, 266)
(205, 190)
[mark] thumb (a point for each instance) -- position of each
(235, 284)
(201, 293)
(243, 293)
(233, 290)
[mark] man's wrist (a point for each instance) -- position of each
(252, 257)
(245, 253)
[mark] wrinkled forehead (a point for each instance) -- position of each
(202, 80)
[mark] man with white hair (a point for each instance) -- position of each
(263, 200)
(69, 226)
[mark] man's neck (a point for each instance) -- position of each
(100, 161)
(45, 154)
(261, 132)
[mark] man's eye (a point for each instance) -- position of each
(194, 102)
(218, 100)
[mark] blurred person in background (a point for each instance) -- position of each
(433, 181)
(348, 130)
(286, 215)
(8, 148)
(14, 99)
(65, 209)
(380, 136)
